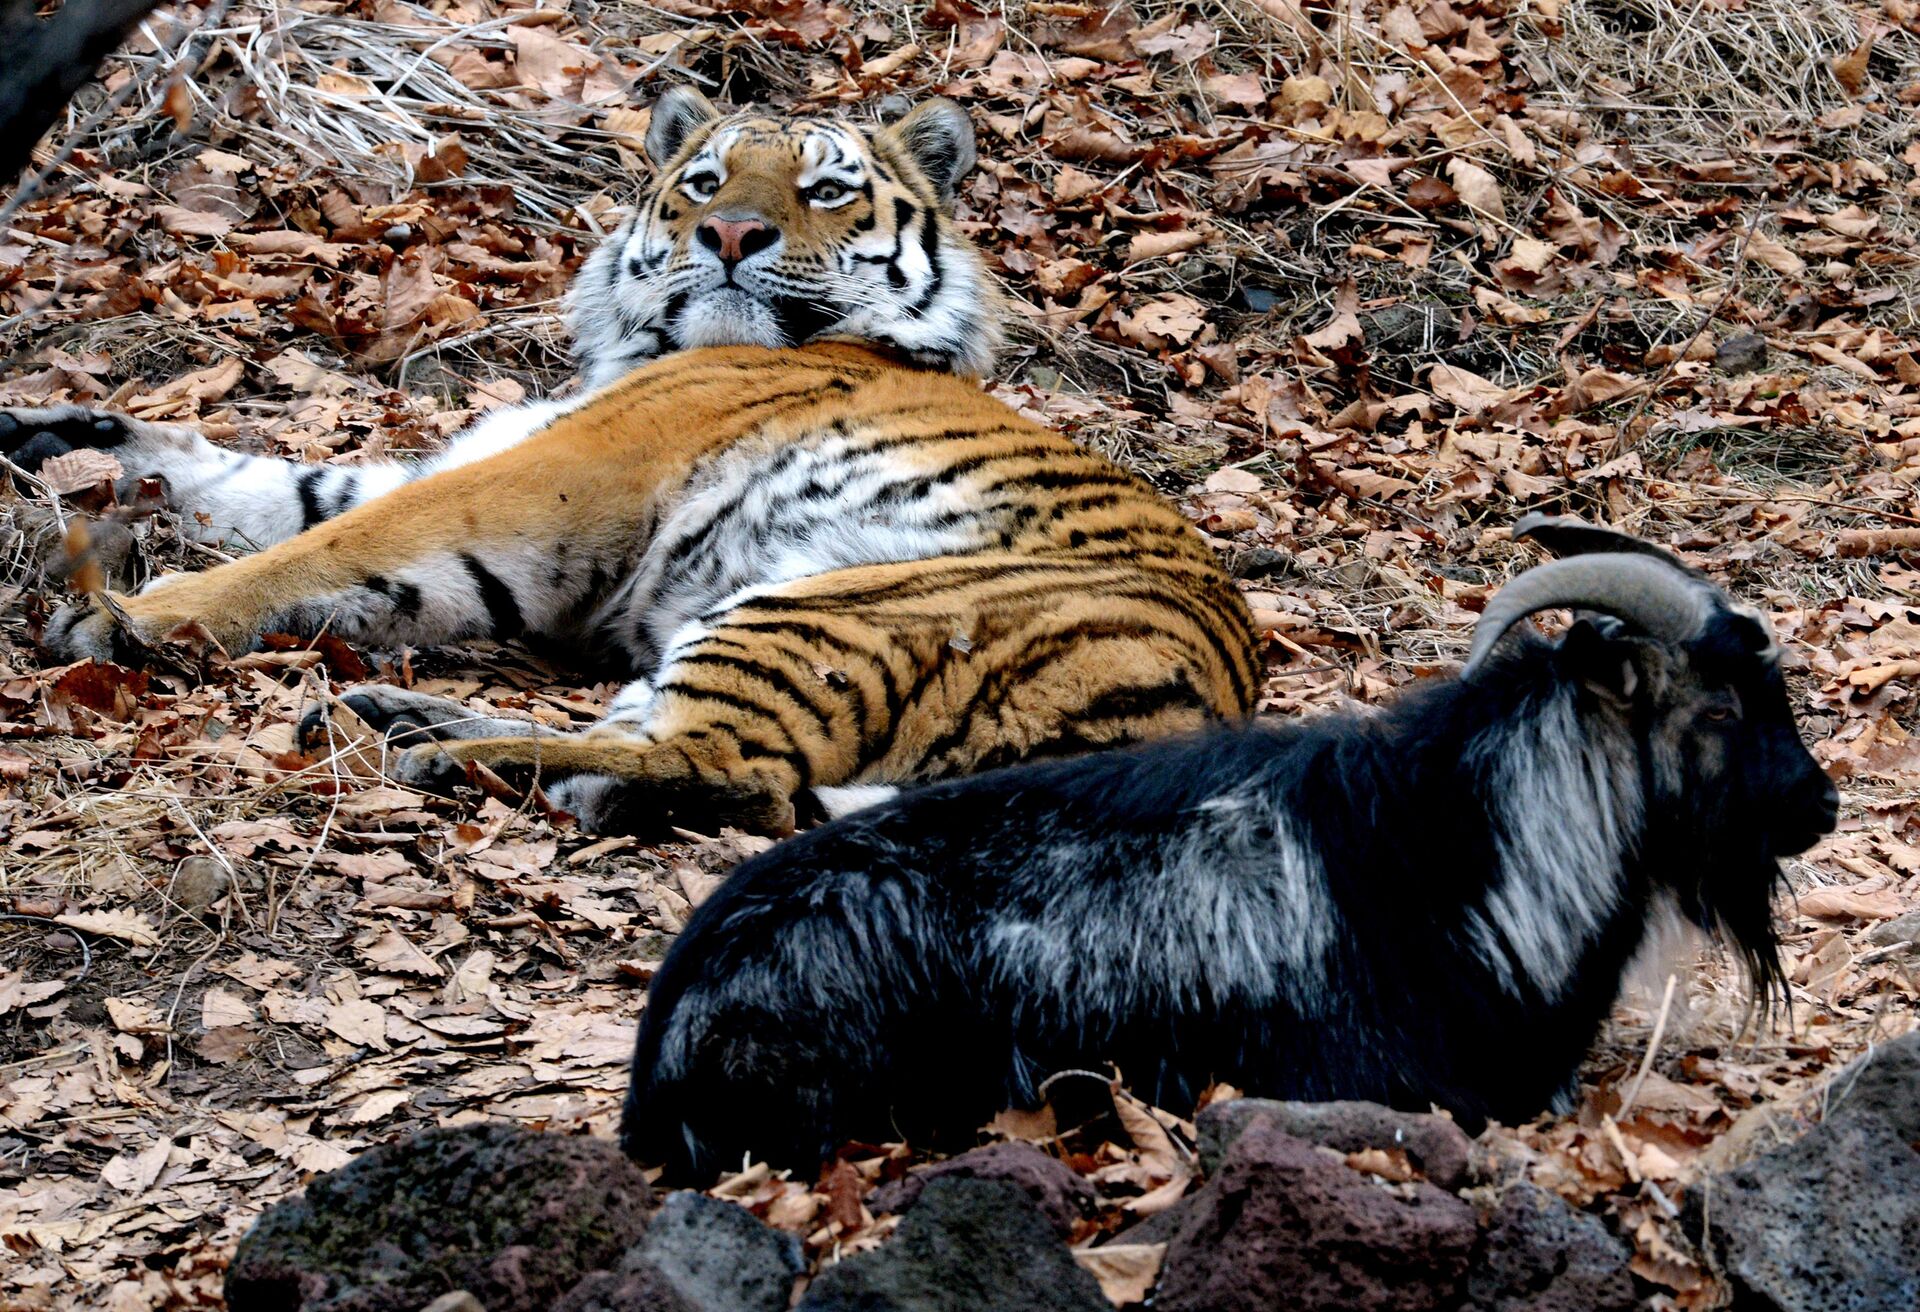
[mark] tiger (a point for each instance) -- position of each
(782, 502)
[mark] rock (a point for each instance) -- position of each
(1160, 1228)
(967, 1245)
(1828, 1223)
(1884, 1085)
(1062, 1196)
(511, 1216)
(721, 1258)
(699, 1254)
(638, 1287)
(1539, 1255)
(1901, 929)
(198, 883)
(1742, 353)
(1283, 1215)
(1436, 1146)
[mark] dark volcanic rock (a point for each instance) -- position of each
(1830, 1223)
(1435, 1145)
(699, 1254)
(966, 1246)
(1539, 1255)
(1283, 1220)
(637, 1287)
(1884, 1085)
(1055, 1188)
(509, 1215)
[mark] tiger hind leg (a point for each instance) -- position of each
(814, 699)
(739, 727)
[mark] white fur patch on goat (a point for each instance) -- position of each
(1565, 799)
(1240, 910)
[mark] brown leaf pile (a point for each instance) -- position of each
(1355, 284)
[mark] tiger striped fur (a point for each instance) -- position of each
(828, 564)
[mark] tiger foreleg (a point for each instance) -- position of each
(509, 545)
(226, 498)
(405, 718)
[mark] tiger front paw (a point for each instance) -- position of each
(133, 631)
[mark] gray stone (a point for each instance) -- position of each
(1901, 929)
(638, 1287)
(966, 1246)
(1539, 1255)
(699, 1254)
(1742, 353)
(1436, 1146)
(720, 1257)
(1055, 1188)
(1828, 1224)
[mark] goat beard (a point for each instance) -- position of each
(1733, 901)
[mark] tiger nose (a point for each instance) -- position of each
(735, 239)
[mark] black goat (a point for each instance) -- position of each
(1434, 904)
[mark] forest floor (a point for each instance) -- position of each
(1355, 283)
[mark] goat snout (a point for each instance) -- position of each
(733, 240)
(1808, 816)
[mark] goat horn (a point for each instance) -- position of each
(1564, 535)
(1655, 596)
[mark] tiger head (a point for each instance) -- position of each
(773, 232)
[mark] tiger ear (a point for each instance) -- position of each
(938, 136)
(675, 116)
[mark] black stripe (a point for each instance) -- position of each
(1135, 702)
(930, 245)
(502, 609)
(403, 599)
(1042, 651)
(814, 635)
(305, 484)
(776, 679)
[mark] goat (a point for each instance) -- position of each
(1429, 905)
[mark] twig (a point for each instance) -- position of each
(1653, 1047)
(86, 953)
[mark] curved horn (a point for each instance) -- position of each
(1564, 535)
(1654, 596)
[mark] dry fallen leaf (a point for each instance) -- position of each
(1126, 1272)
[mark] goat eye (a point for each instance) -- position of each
(826, 193)
(1721, 714)
(701, 186)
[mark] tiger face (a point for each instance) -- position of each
(766, 231)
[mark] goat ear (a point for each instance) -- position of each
(1598, 653)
